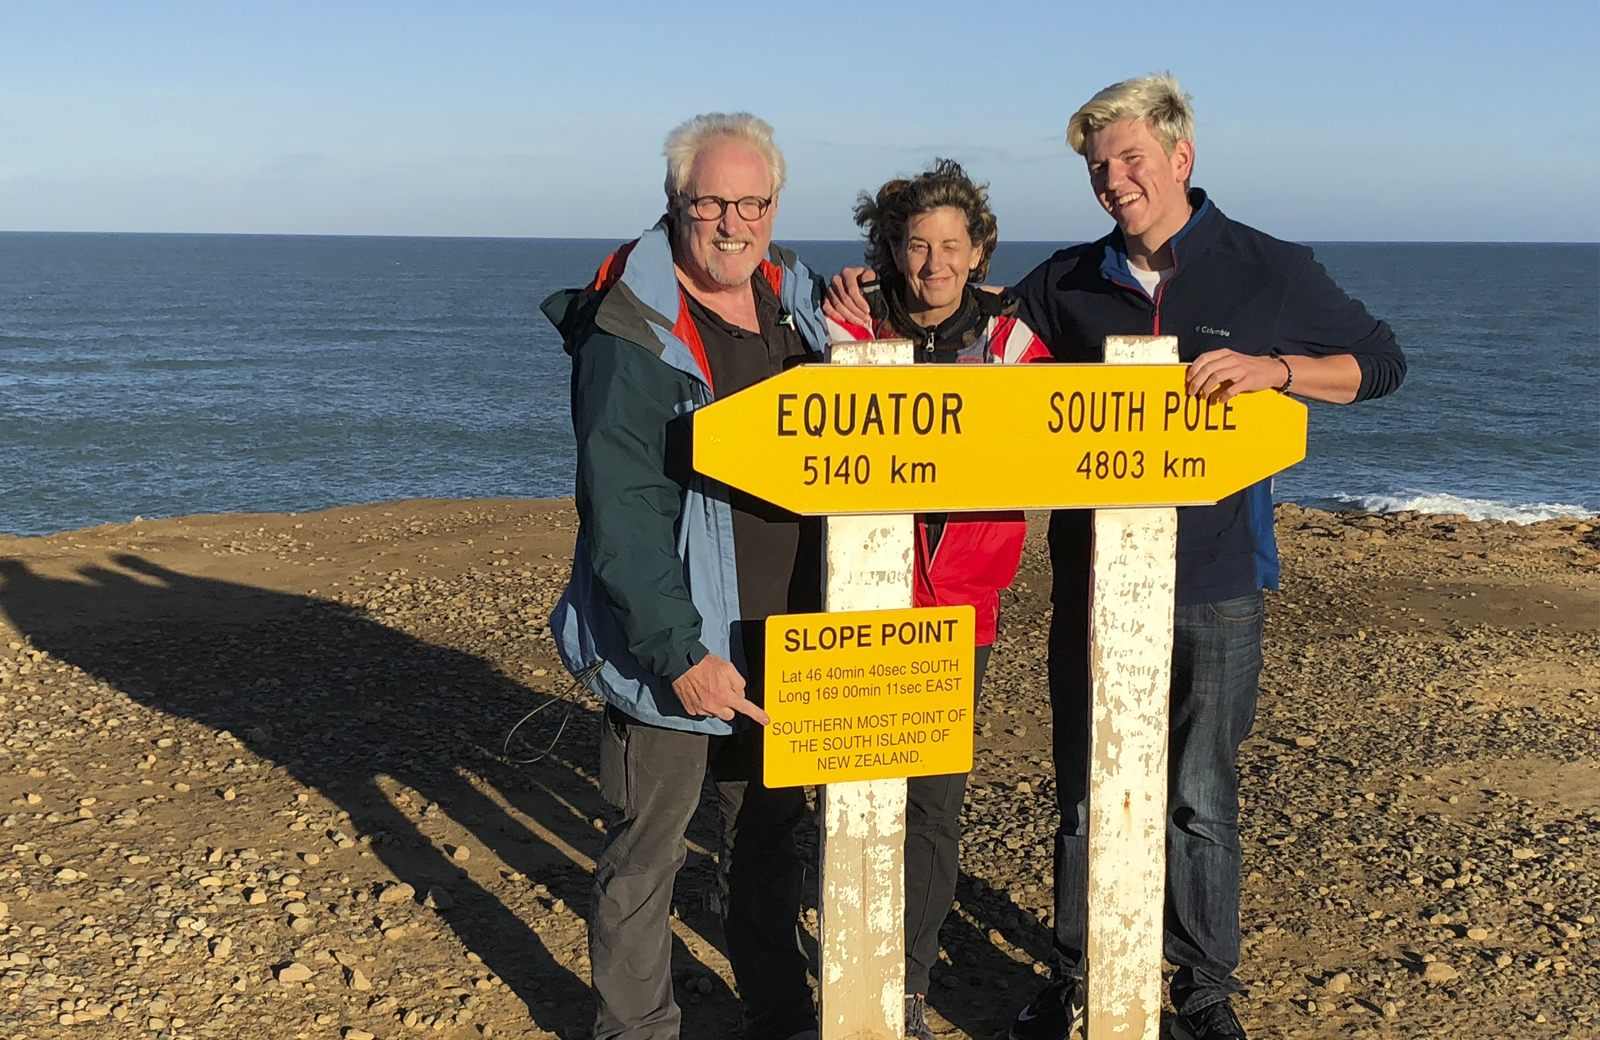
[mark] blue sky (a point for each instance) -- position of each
(1364, 121)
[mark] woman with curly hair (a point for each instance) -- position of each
(929, 239)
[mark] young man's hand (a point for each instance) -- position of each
(1224, 374)
(715, 687)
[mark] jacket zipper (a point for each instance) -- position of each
(1162, 288)
(927, 555)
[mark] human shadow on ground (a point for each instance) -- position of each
(992, 944)
(383, 724)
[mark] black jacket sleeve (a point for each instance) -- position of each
(1033, 310)
(623, 402)
(1319, 319)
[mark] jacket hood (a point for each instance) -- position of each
(885, 298)
(635, 296)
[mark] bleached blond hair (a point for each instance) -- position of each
(687, 141)
(1156, 99)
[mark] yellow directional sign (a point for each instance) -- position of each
(868, 694)
(917, 438)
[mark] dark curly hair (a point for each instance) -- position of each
(884, 218)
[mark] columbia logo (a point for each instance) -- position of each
(1209, 331)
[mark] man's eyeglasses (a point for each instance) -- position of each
(710, 207)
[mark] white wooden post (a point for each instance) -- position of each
(862, 915)
(1130, 666)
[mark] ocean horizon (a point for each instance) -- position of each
(170, 374)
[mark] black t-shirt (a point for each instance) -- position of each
(778, 553)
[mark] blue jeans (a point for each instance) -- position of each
(1216, 660)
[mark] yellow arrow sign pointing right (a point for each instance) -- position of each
(832, 439)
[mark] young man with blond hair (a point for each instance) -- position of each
(1251, 313)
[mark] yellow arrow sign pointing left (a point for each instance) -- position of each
(832, 439)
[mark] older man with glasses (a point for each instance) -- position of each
(673, 576)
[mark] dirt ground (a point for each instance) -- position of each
(259, 785)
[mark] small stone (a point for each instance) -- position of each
(181, 787)
(357, 980)
(1439, 971)
(1523, 853)
(352, 1033)
(439, 899)
(228, 794)
(255, 897)
(294, 971)
(66, 875)
(1390, 1010)
(1305, 742)
(1339, 983)
(221, 947)
(460, 853)
(1477, 934)
(296, 909)
(396, 893)
(311, 859)
(410, 1018)
(1024, 787)
(302, 925)
(394, 932)
(1439, 919)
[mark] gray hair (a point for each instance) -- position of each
(687, 141)
(1156, 99)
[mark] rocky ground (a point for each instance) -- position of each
(260, 786)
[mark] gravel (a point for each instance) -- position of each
(1421, 798)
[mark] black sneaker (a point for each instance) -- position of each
(1057, 1013)
(1212, 1022)
(917, 1018)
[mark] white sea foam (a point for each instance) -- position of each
(1472, 508)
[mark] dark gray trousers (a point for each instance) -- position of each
(652, 778)
(933, 855)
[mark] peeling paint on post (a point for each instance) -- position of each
(862, 915)
(1130, 665)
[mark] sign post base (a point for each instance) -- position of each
(861, 991)
(1133, 571)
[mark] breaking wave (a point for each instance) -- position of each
(1472, 508)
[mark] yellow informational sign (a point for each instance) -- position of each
(925, 438)
(869, 694)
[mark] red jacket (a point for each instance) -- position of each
(978, 553)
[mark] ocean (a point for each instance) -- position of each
(162, 375)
